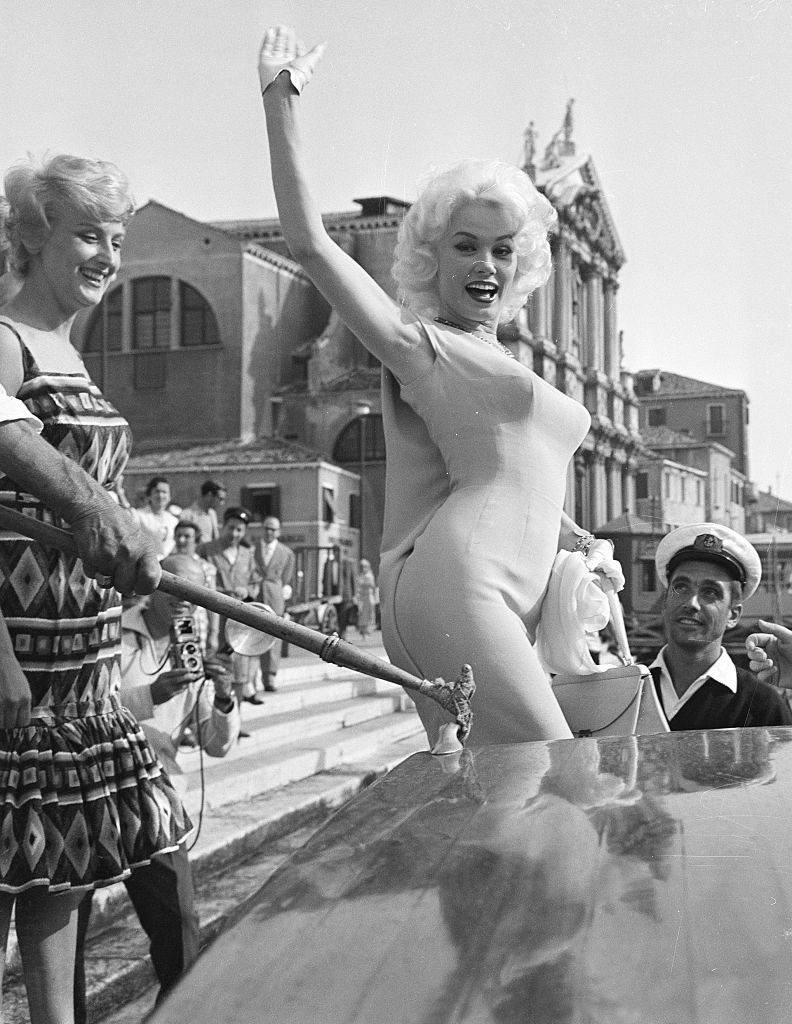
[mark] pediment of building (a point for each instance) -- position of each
(575, 191)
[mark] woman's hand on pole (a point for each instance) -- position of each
(282, 51)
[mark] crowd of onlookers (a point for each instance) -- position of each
(215, 537)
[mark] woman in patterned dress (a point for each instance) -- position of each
(82, 798)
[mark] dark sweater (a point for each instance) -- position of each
(716, 707)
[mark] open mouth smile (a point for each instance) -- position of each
(482, 291)
(94, 277)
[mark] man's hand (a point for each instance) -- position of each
(169, 683)
(770, 654)
(111, 544)
(221, 676)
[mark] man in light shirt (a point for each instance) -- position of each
(708, 571)
(204, 510)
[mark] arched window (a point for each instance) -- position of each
(198, 323)
(151, 313)
(361, 441)
(106, 324)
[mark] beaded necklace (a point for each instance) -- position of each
(487, 341)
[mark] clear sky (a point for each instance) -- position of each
(683, 104)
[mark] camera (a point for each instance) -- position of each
(186, 644)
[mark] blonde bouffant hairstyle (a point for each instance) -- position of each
(36, 191)
(427, 220)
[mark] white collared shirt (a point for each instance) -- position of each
(268, 550)
(722, 671)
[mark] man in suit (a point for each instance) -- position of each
(707, 571)
(275, 564)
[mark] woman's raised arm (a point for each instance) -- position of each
(368, 311)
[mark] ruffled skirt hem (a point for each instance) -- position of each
(83, 800)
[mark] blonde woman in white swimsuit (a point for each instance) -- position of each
(478, 445)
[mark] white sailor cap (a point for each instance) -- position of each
(710, 542)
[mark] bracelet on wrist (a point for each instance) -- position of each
(583, 543)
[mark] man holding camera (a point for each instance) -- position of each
(168, 684)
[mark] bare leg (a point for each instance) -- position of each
(6, 906)
(46, 925)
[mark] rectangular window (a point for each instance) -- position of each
(262, 501)
(151, 309)
(328, 505)
(641, 485)
(354, 511)
(716, 423)
(648, 576)
(656, 417)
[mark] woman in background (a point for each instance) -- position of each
(366, 598)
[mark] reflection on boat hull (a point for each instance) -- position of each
(634, 880)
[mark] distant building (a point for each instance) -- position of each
(682, 480)
(769, 514)
(702, 412)
(213, 334)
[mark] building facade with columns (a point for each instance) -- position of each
(213, 333)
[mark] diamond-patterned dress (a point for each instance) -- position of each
(83, 798)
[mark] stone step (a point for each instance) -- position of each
(248, 771)
(277, 724)
(301, 666)
(239, 846)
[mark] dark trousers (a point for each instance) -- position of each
(270, 663)
(162, 895)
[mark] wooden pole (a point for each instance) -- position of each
(453, 697)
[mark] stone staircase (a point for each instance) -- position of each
(326, 734)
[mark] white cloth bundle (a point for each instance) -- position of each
(574, 606)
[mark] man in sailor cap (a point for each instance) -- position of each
(707, 571)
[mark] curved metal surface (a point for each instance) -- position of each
(611, 881)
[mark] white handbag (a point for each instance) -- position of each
(620, 701)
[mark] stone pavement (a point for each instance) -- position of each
(327, 733)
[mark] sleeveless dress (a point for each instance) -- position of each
(83, 799)
(478, 453)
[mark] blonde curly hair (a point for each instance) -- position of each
(427, 220)
(35, 191)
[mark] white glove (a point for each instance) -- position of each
(282, 51)
(600, 559)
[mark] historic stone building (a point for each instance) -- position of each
(213, 333)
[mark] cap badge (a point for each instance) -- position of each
(708, 542)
